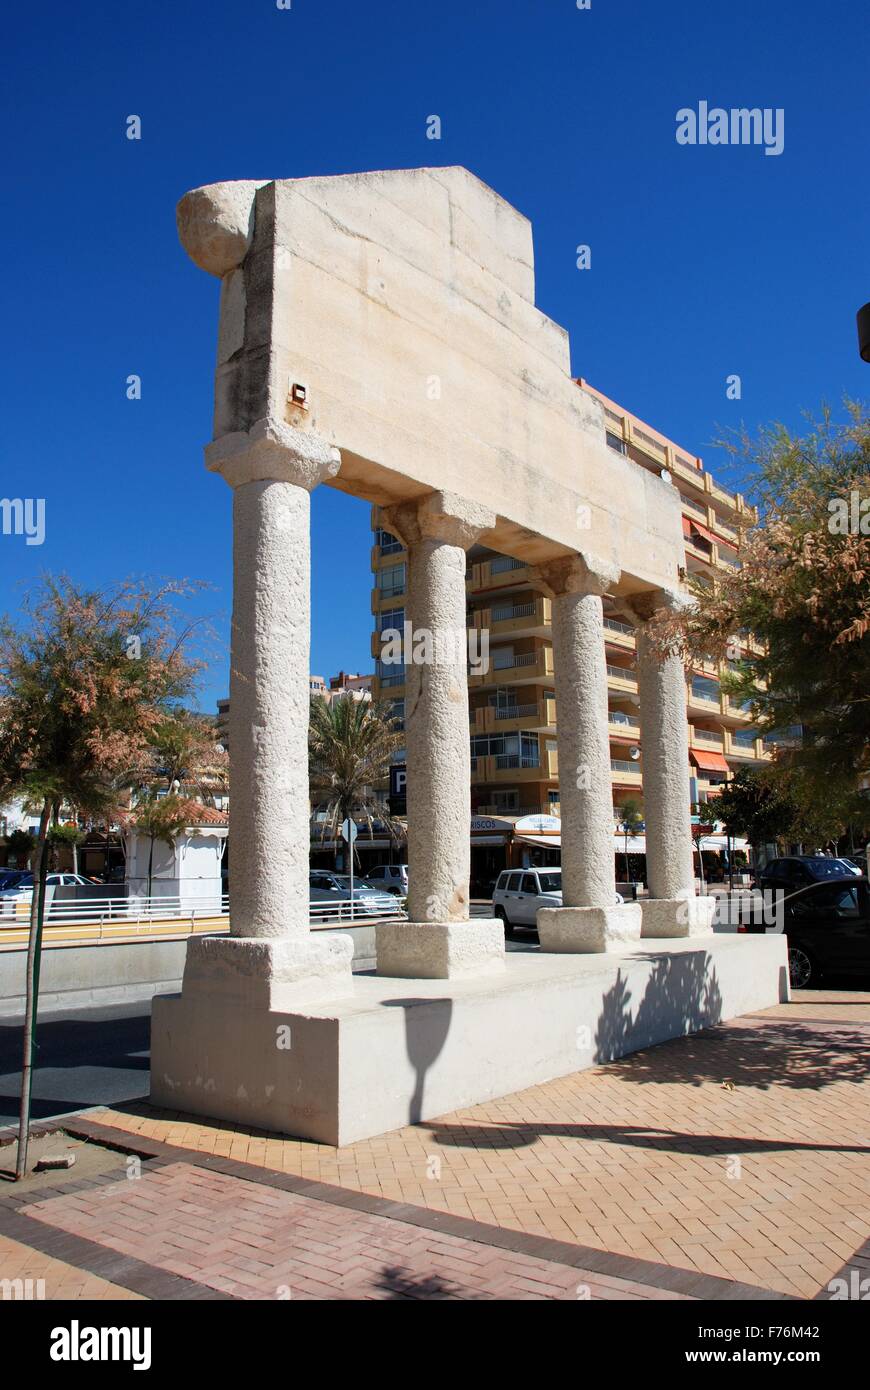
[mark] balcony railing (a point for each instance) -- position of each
(514, 659)
(620, 765)
(615, 626)
(616, 716)
(622, 673)
(506, 612)
(502, 563)
(506, 760)
(515, 711)
(708, 736)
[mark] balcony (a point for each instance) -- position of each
(745, 744)
(501, 572)
(531, 716)
(626, 772)
(704, 694)
(510, 767)
(515, 618)
(619, 634)
(516, 668)
(623, 677)
(622, 723)
(706, 736)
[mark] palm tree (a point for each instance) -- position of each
(160, 818)
(350, 744)
(630, 820)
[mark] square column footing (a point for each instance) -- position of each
(440, 950)
(281, 972)
(582, 930)
(670, 917)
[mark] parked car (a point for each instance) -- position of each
(11, 878)
(325, 886)
(520, 892)
(23, 887)
(393, 878)
(799, 870)
(827, 924)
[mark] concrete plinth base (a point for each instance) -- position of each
(269, 973)
(674, 917)
(440, 950)
(588, 929)
(396, 1053)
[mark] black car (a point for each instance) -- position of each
(827, 924)
(799, 870)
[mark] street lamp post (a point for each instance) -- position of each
(863, 317)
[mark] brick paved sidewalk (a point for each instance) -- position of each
(730, 1164)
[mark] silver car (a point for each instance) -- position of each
(519, 893)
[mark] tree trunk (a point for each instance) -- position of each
(34, 948)
(150, 866)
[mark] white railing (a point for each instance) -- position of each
(142, 912)
(623, 673)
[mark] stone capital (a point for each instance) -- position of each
(575, 574)
(273, 451)
(638, 609)
(440, 516)
(215, 224)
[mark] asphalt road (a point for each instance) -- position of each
(90, 1056)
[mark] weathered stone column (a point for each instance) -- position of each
(271, 469)
(672, 908)
(438, 941)
(590, 919)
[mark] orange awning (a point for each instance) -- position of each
(708, 761)
(690, 525)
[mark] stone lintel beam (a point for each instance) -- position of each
(272, 451)
(439, 516)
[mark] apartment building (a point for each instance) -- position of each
(512, 706)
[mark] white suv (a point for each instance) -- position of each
(392, 877)
(519, 893)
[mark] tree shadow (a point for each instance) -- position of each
(682, 994)
(399, 1284)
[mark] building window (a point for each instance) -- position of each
(391, 618)
(390, 673)
(387, 543)
(614, 442)
(705, 689)
(509, 750)
(391, 581)
(744, 738)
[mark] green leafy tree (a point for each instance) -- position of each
(65, 836)
(85, 678)
(188, 757)
(20, 843)
(159, 818)
(803, 592)
(773, 805)
(350, 744)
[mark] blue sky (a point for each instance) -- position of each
(706, 261)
